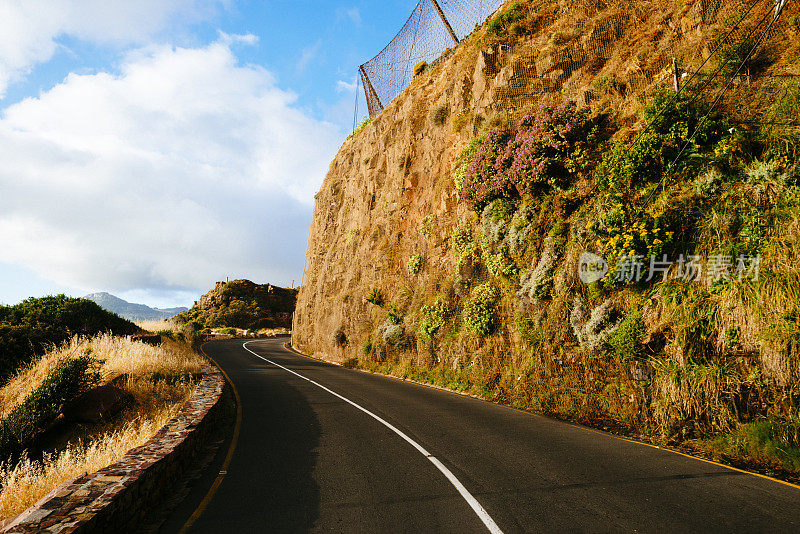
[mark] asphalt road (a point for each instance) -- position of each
(309, 460)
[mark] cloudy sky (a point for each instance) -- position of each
(150, 148)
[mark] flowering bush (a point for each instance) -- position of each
(550, 145)
(483, 180)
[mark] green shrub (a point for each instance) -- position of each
(439, 114)
(480, 316)
(426, 225)
(340, 338)
(350, 363)
(33, 415)
(432, 318)
(464, 248)
(228, 331)
(629, 165)
(499, 25)
(414, 264)
(393, 316)
(625, 341)
(375, 297)
(675, 121)
(420, 67)
(360, 127)
(464, 159)
(603, 83)
(366, 348)
(498, 262)
(36, 324)
(463, 244)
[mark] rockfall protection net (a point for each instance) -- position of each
(437, 25)
(424, 37)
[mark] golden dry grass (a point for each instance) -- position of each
(28, 481)
(120, 356)
(162, 324)
(157, 401)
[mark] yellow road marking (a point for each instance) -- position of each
(232, 447)
(596, 431)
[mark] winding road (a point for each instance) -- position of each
(325, 449)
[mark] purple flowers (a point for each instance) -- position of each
(549, 147)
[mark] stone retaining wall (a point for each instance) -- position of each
(115, 498)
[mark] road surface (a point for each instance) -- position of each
(326, 449)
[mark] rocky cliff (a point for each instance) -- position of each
(405, 254)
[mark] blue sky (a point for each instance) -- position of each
(152, 148)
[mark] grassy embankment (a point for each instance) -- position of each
(160, 379)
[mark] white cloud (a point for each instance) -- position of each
(29, 29)
(345, 87)
(185, 168)
(351, 13)
(307, 55)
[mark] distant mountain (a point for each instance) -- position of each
(131, 311)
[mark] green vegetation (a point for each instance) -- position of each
(375, 297)
(426, 225)
(420, 67)
(393, 315)
(603, 83)
(480, 316)
(414, 264)
(242, 304)
(363, 124)
(432, 318)
(32, 417)
(36, 324)
(439, 114)
(228, 331)
(764, 442)
(625, 341)
(504, 22)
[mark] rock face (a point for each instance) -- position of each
(389, 193)
(243, 304)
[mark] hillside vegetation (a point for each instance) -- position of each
(447, 246)
(42, 443)
(242, 304)
(37, 324)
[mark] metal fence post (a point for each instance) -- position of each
(444, 20)
(372, 95)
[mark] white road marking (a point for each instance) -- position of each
(472, 501)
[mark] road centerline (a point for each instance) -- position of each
(482, 514)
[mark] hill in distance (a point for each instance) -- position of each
(130, 310)
(243, 304)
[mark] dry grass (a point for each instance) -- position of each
(28, 481)
(94, 447)
(120, 356)
(161, 324)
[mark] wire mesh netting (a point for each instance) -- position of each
(424, 37)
